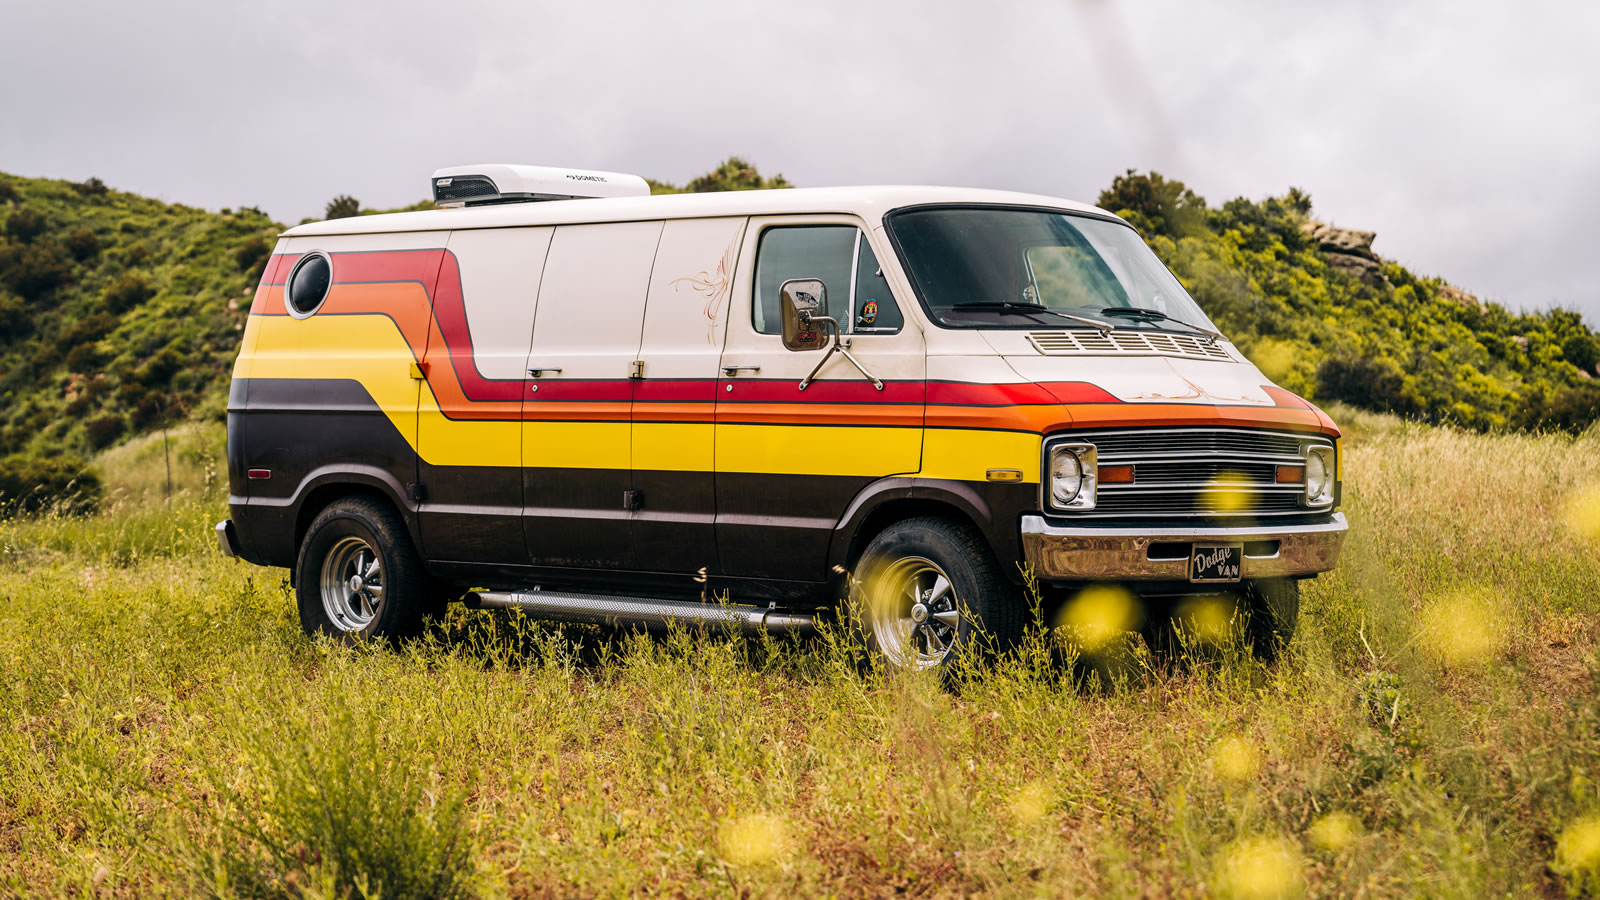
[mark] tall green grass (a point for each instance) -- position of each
(1434, 729)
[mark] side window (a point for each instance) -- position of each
(875, 309)
(857, 294)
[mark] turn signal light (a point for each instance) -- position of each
(1116, 474)
(1290, 474)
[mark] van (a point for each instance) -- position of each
(563, 395)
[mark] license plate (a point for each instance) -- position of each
(1216, 562)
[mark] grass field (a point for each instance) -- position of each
(1434, 729)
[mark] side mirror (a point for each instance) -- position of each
(805, 309)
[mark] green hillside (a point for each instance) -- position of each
(119, 313)
(1325, 317)
(116, 312)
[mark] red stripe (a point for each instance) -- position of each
(575, 389)
(1078, 392)
(787, 390)
(687, 390)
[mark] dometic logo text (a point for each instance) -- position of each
(587, 177)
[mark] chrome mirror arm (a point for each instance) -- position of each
(841, 346)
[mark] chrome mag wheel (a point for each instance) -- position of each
(352, 584)
(916, 613)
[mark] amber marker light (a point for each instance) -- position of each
(1290, 475)
(1116, 474)
(1005, 476)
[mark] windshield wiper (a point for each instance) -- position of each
(1147, 314)
(1013, 306)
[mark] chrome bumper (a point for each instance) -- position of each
(227, 539)
(1086, 553)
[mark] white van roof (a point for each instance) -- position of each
(868, 202)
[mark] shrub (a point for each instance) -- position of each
(1165, 207)
(83, 244)
(159, 369)
(1582, 350)
(102, 432)
(735, 175)
(14, 319)
(36, 270)
(127, 292)
(30, 483)
(87, 331)
(25, 224)
(84, 357)
(92, 187)
(1570, 409)
(1368, 383)
(342, 207)
(251, 256)
(8, 192)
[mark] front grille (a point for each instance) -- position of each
(1210, 473)
(1125, 343)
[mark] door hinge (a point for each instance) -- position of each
(417, 491)
(633, 501)
(636, 369)
(419, 371)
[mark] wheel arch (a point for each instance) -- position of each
(321, 490)
(891, 500)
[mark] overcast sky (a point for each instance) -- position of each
(1467, 135)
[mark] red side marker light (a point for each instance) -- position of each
(1116, 474)
(1290, 474)
(259, 474)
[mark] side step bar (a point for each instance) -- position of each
(602, 608)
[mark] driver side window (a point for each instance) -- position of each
(838, 255)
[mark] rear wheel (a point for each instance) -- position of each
(358, 576)
(928, 591)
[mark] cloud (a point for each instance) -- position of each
(1463, 133)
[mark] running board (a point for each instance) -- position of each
(602, 608)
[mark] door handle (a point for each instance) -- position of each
(731, 371)
(540, 370)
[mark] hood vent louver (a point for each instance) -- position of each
(1126, 343)
(488, 183)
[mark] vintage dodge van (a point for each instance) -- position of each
(570, 397)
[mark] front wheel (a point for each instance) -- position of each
(358, 576)
(928, 591)
(1274, 613)
(1262, 612)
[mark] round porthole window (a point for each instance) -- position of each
(308, 285)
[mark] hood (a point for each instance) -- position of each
(1153, 379)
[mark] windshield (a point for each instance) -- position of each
(995, 267)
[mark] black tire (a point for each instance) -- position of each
(1274, 613)
(988, 606)
(405, 596)
(1270, 608)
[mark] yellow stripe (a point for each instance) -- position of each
(817, 450)
(673, 447)
(452, 443)
(371, 350)
(968, 455)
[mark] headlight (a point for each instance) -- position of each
(1073, 476)
(1319, 475)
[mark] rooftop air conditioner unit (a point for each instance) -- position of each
(500, 183)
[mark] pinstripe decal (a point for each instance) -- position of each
(388, 309)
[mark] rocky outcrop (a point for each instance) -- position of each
(1348, 250)
(1456, 295)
